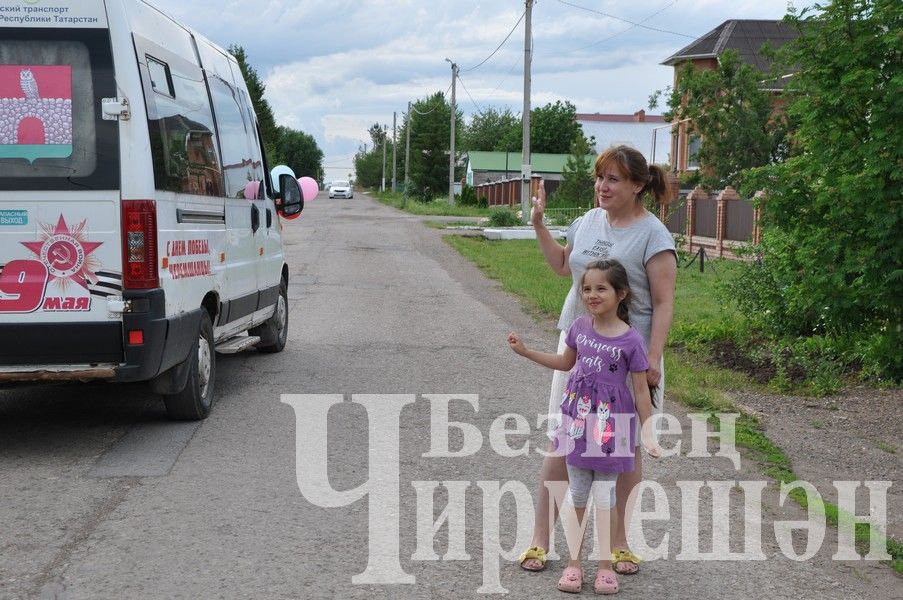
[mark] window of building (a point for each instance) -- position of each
(693, 144)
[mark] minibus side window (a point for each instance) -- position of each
(256, 154)
(183, 142)
(236, 139)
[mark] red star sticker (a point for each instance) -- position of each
(66, 253)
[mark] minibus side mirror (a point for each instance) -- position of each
(290, 192)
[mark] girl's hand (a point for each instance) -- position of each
(516, 343)
(539, 205)
(650, 445)
(652, 449)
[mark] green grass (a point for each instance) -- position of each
(438, 207)
(447, 224)
(700, 315)
(886, 447)
(521, 269)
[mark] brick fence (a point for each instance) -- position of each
(720, 224)
(507, 192)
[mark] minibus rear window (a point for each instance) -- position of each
(52, 135)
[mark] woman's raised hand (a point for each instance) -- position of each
(538, 210)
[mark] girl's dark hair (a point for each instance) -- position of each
(632, 164)
(617, 277)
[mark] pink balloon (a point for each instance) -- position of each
(309, 188)
(251, 190)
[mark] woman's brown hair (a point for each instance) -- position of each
(631, 163)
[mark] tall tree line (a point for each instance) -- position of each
(283, 145)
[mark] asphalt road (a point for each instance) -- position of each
(101, 497)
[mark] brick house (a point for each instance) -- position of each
(646, 133)
(747, 37)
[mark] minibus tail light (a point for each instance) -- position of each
(139, 244)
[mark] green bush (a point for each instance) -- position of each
(468, 197)
(503, 217)
(829, 283)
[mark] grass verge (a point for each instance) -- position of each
(438, 207)
(699, 316)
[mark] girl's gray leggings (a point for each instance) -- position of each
(583, 480)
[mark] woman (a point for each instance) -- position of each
(619, 228)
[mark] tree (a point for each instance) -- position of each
(368, 167)
(430, 138)
(553, 128)
(256, 88)
(832, 258)
(377, 134)
(732, 114)
(487, 128)
(299, 151)
(577, 181)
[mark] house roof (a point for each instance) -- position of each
(744, 35)
(497, 161)
(603, 118)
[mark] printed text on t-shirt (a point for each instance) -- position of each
(601, 249)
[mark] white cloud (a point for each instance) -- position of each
(333, 69)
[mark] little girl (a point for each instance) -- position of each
(598, 410)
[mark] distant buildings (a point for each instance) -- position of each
(639, 131)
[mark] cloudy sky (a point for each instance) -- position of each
(333, 68)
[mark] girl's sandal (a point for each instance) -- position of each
(606, 582)
(625, 562)
(571, 580)
(535, 554)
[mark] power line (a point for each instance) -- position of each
(499, 46)
(516, 64)
(414, 108)
(611, 37)
(634, 23)
(468, 94)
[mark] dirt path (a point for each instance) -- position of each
(854, 436)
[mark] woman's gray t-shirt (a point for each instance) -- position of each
(592, 238)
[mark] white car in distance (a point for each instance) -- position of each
(341, 189)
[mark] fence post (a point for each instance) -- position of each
(760, 198)
(726, 195)
(697, 194)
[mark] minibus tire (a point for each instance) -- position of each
(274, 332)
(194, 401)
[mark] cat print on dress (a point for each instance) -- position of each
(603, 430)
(579, 425)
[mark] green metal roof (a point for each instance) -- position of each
(496, 161)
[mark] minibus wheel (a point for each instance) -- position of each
(274, 332)
(194, 401)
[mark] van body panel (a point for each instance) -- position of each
(184, 137)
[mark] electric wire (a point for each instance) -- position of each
(634, 23)
(523, 14)
(468, 94)
(614, 35)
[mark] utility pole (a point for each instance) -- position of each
(394, 170)
(451, 152)
(407, 155)
(385, 136)
(526, 174)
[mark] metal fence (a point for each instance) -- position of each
(720, 223)
(564, 216)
